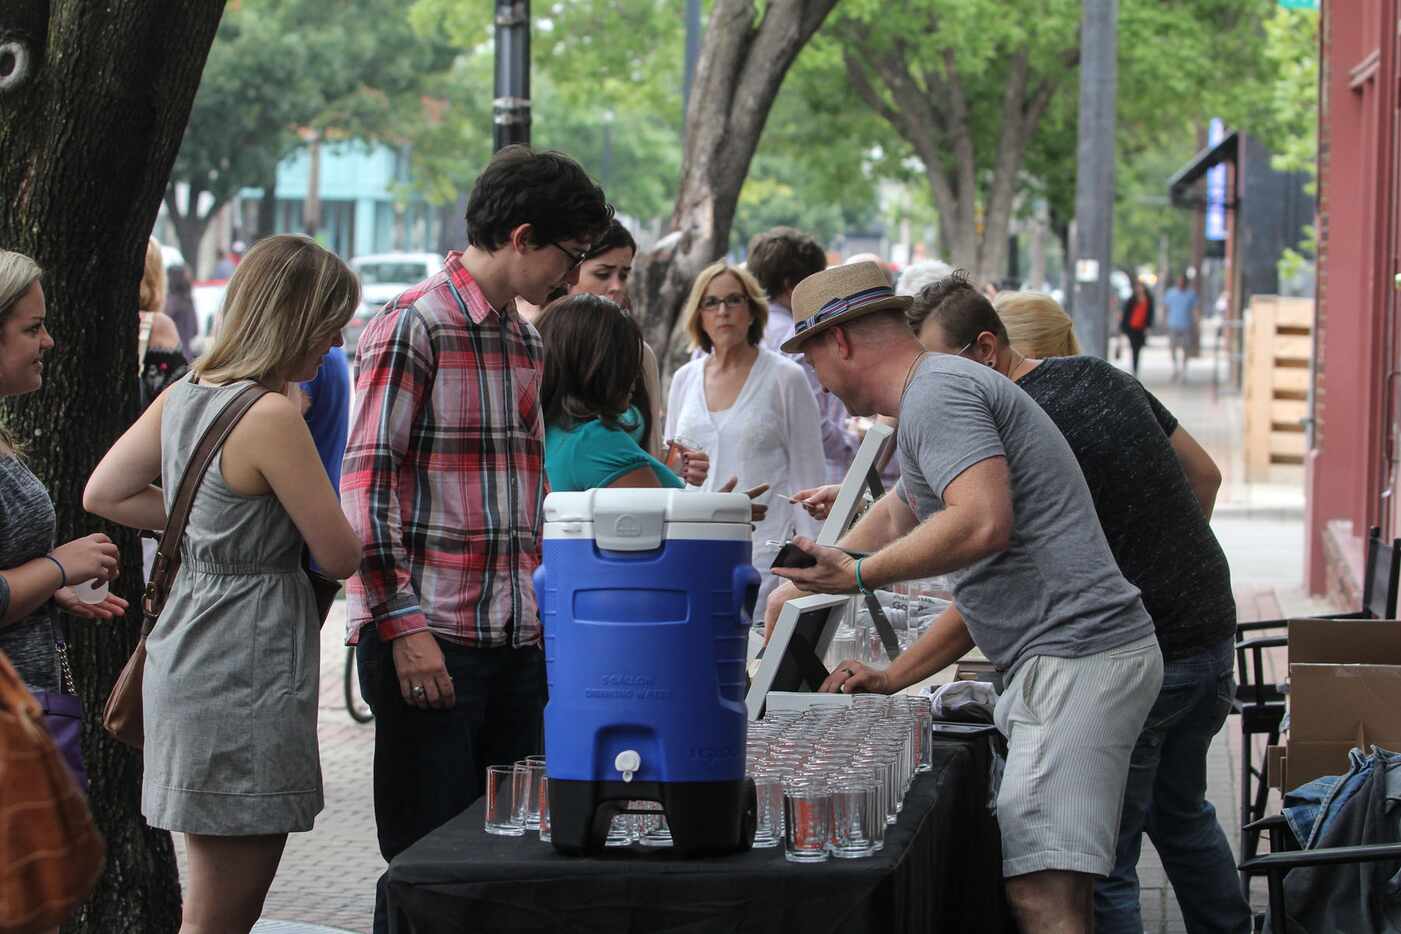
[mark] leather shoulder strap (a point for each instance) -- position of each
(167, 561)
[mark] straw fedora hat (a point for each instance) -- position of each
(838, 295)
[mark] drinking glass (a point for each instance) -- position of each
(768, 830)
(853, 806)
(619, 831)
(545, 809)
(526, 792)
(93, 591)
(500, 803)
(807, 822)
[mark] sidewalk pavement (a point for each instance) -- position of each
(328, 876)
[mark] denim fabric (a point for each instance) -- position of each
(1166, 796)
(1311, 809)
(430, 765)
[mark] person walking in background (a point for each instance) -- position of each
(1136, 317)
(180, 308)
(779, 259)
(444, 480)
(160, 353)
(223, 265)
(1180, 306)
(1154, 489)
(35, 577)
(240, 630)
(750, 408)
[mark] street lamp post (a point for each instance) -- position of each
(1094, 174)
(510, 110)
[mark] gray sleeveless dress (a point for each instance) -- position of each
(230, 688)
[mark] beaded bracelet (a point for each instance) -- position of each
(63, 575)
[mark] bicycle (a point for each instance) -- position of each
(355, 705)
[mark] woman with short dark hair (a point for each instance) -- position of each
(597, 414)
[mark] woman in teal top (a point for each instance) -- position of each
(594, 399)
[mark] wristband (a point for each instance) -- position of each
(63, 575)
(860, 584)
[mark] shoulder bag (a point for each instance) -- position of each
(50, 852)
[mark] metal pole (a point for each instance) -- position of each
(1094, 174)
(510, 110)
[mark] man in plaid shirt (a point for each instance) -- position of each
(443, 481)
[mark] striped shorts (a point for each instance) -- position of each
(1071, 725)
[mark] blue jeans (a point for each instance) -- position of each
(430, 765)
(1166, 796)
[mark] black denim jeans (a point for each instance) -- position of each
(430, 765)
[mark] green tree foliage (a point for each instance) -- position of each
(347, 68)
(985, 93)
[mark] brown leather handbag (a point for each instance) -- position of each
(122, 715)
(50, 852)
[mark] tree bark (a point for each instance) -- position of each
(743, 61)
(267, 209)
(90, 131)
(190, 226)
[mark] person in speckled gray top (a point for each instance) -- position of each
(35, 576)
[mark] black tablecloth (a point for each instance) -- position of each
(940, 870)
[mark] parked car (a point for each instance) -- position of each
(383, 276)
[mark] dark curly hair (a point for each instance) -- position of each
(547, 190)
(593, 363)
(959, 308)
(782, 257)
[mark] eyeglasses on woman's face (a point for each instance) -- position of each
(731, 301)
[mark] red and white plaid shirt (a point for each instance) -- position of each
(444, 470)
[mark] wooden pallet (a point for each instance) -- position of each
(1278, 358)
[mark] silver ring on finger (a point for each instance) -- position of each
(418, 691)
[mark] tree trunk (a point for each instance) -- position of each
(90, 130)
(743, 61)
(189, 227)
(267, 209)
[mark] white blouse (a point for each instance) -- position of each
(772, 434)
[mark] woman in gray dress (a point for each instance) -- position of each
(34, 575)
(230, 688)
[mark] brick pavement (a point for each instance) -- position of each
(327, 876)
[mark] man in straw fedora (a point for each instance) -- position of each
(991, 495)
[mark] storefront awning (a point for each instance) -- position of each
(1180, 186)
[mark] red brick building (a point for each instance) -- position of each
(1351, 469)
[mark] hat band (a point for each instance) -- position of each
(841, 305)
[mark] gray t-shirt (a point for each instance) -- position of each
(1057, 590)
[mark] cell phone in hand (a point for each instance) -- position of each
(791, 556)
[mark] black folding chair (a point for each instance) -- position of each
(1260, 703)
(1274, 865)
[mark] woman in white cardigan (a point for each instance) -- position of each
(750, 409)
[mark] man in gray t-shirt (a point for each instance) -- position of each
(1056, 589)
(991, 494)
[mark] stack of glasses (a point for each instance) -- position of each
(518, 800)
(829, 780)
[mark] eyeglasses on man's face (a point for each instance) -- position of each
(574, 258)
(733, 300)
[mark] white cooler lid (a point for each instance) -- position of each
(640, 519)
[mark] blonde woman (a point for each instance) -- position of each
(750, 409)
(34, 575)
(231, 672)
(161, 355)
(1036, 325)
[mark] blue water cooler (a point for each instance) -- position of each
(644, 596)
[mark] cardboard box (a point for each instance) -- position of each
(1344, 691)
